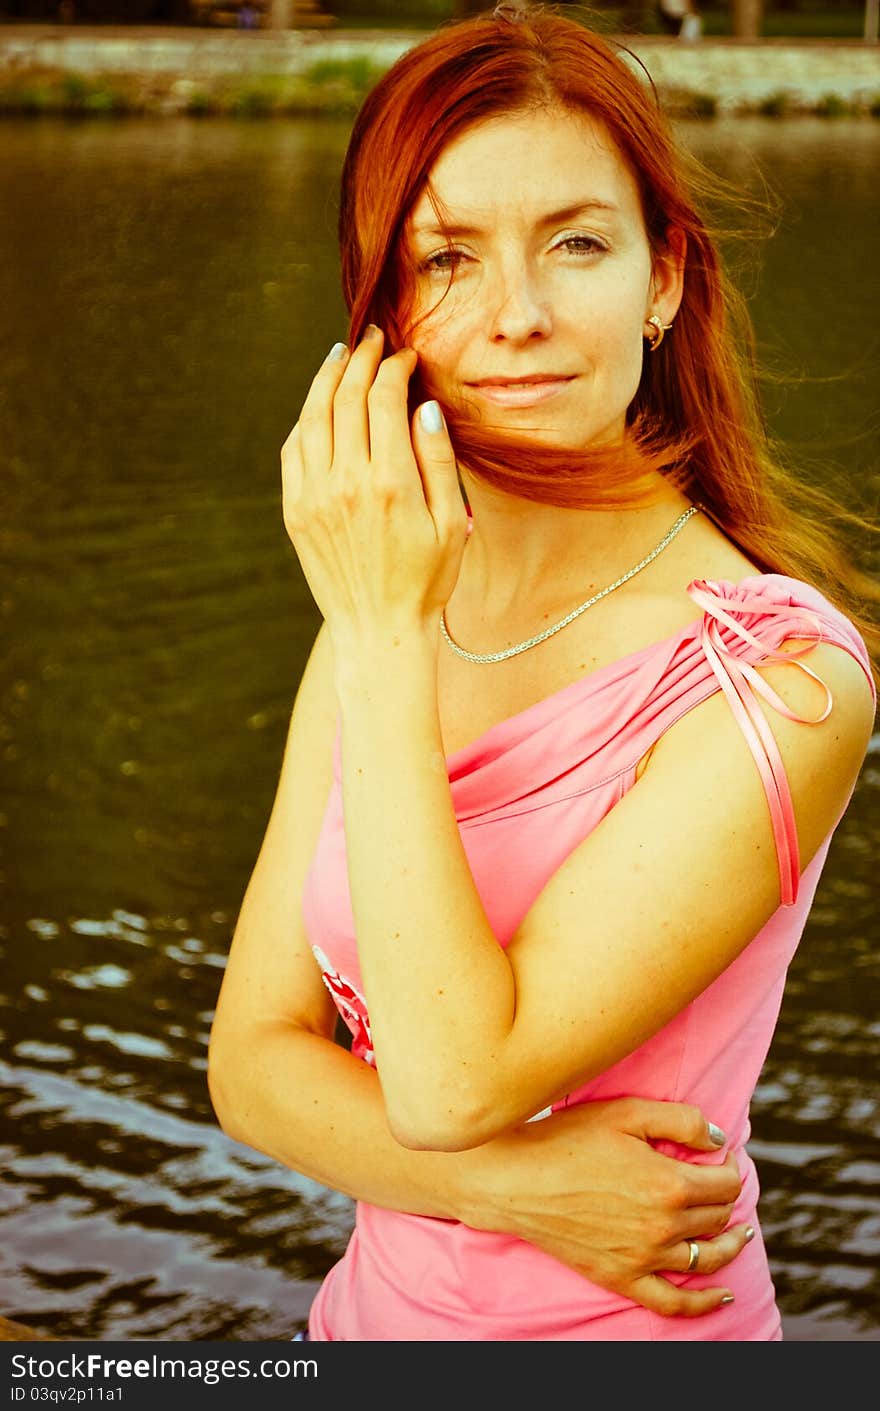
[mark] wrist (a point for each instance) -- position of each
(370, 664)
(479, 1189)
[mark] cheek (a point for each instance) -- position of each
(440, 341)
(616, 330)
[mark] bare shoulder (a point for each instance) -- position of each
(839, 742)
(822, 757)
(841, 739)
(844, 677)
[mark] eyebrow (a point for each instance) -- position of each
(567, 213)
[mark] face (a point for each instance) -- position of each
(533, 287)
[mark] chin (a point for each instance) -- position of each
(568, 435)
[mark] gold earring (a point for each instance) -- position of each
(660, 331)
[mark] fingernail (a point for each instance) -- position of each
(750, 1234)
(431, 416)
(728, 1298)
(337, 352)
(716, 1135)
(372, 330)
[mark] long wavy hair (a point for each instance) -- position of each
(697, 414)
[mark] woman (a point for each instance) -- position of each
(557, 791)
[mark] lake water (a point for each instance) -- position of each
(166, 290)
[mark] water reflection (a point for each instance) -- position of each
(166, 290)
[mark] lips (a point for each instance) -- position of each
(525, 391)
(527, 380)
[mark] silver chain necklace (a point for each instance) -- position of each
(542, 636)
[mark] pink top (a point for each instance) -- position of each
(525, 794)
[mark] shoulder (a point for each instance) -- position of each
(831, 677)
(763, 617)
(813, 712)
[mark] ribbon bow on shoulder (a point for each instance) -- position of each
(740, 683)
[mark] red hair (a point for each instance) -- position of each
(696, 415)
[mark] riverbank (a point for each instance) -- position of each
(151, 70)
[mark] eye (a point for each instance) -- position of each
(582, 245)
(444, 261)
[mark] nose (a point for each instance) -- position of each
(520, 309)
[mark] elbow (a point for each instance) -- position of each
(221, 1088)
(449, 1127)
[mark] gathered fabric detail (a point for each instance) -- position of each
(740, 683)
(574, 743)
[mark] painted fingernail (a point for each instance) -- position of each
(750, 1234)
(337, 352)
(716, 1135)
(431, 416)
(728, 1298)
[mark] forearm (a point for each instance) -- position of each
(585, 1187)
(438, 986)
(308, 1103)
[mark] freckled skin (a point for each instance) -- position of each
(569, 297)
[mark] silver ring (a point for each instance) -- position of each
(695, 1255)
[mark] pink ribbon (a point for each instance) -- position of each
(740, 681)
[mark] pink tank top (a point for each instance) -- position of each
(525, 794)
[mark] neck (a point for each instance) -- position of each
(524, 558)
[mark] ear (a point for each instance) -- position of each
(667, 276)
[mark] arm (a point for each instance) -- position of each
(585, 1186)
(471, 1039)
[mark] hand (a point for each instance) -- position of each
(586, 1186)
(371, 503)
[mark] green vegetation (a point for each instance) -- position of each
(337, 86)
(52, 91)
(831, 105)
(684, 103)
(777, 105)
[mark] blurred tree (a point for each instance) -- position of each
(747, 18)
(297, 14)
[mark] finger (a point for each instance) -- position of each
(435, 458)
(676, 1122)
(315, 424)
(712, 1254)
(705, 1184)
(672, 1300)
(391, 448)
(351, 425)
(702, 1222)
